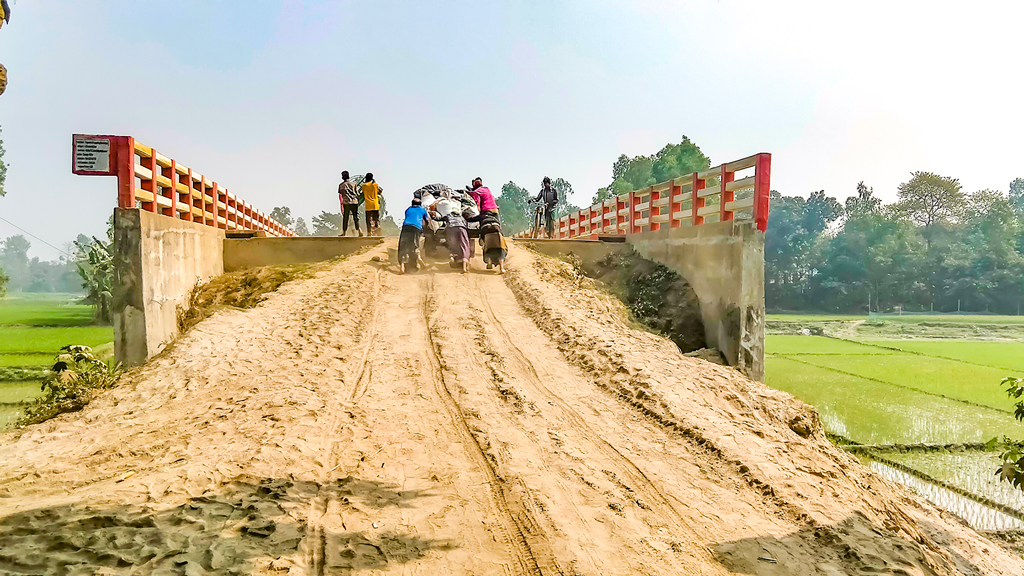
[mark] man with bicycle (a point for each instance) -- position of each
(548, 196)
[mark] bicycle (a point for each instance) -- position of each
(538, 220)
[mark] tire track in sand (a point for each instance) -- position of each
(657, 506)
(508, 509)
(634, 472)
(338, 402)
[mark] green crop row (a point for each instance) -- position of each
(871, 412)
(30, 340)
(44, 310)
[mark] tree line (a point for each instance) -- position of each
(936, 248)
(628, 174)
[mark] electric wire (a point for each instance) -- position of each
(62, 251)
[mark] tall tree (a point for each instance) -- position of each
(1017, 194)
(601, 195)
(327, 224)
(15, 261)
(629, 174)
(514, 208)
(283, 215)
(864, 203)
(929, 199)
(564, 192)
(794, 230)
(678, 159)
(300, 227)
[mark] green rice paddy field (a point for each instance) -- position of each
(908, 380)
(33, 327)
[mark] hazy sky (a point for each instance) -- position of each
(273, 99)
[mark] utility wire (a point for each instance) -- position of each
(62, 251)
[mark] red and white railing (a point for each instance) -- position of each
(153, 182)
(733, 191)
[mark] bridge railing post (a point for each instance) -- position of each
(762, 185)
(149, 184)
(167, 192)
(697, 200)
(631, 213)
(675, 204)
(725, 195)
(124, 157)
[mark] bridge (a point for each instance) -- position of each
(707, 226)
(361, 421)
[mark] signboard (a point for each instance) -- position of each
(92, 155)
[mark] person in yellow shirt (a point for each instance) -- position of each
(371, 203)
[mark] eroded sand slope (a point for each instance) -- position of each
(367, 422)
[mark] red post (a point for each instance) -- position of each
(654, 210)
(215, 209)
(762, 187)
(186, 196)
(675, 204)
(173, 194)
(124, 157)
(698, 202)
(650, 208)
(726, 196)
(151, 184)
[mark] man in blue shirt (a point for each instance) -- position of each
(409, 259)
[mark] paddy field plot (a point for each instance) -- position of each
(866, 411)
(33, 328)
(909, 380)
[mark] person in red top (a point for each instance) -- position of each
(483, 197)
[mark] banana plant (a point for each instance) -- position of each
(96, 268)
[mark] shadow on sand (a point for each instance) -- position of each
(248, 525)
(853, 546)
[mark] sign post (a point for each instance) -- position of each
(96, 155)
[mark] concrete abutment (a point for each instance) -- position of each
(724, 264)
(158, 260)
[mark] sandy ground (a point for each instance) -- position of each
(368, 422)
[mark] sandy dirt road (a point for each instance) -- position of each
(368, 422)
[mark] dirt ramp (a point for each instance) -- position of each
(366, 422)
(831, 515)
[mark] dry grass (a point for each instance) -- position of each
(240, 289)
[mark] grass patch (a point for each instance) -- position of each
(240, 289)
(19, 392)
(9, 416)
(905, 319)
(44, 310)
(1003, 355)
(976, 384)
(76, 378)
(785, 317)
(783, 344)
(19, 360)
(21, 373)
(874, 413)
(28, 340)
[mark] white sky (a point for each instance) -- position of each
(274, 99)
